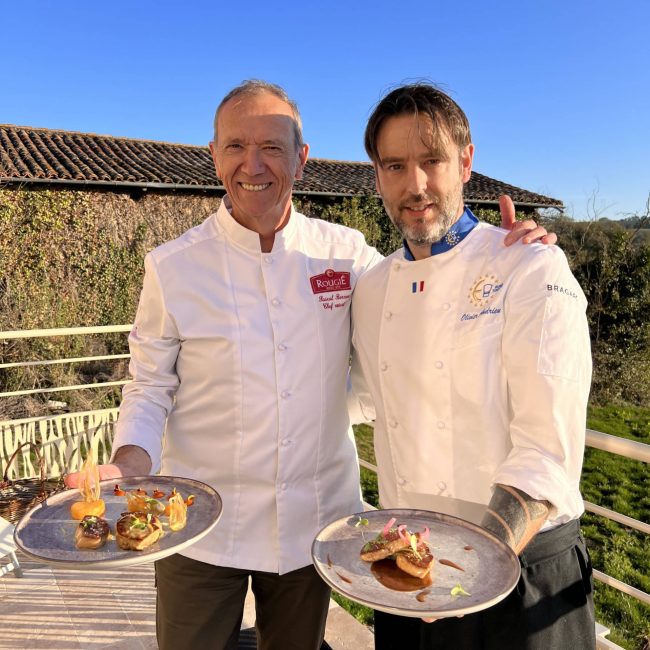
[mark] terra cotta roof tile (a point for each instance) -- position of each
(29, 155)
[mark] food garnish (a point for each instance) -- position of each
(409, 550)
(459, 591)
(90, 490)
(177, 512)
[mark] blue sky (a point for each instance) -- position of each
(557, 92)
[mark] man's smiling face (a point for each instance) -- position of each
(420, 176)
(257, 158)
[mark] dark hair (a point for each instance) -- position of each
(415, 99)
(252, 87)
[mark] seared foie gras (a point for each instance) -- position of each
(92, 532)
(136, 531)
(418, 563)
(383, 546)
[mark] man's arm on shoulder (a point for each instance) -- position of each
(514, 517)
(528, 231)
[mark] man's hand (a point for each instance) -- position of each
(129, 461)
(528, 231)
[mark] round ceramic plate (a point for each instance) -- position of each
(465, 556)
(46, 532)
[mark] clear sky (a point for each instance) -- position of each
(557, 91)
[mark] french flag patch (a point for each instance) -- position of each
(417, 287)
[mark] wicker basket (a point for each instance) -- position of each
(17, 497)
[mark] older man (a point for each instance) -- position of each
(239, 362)
(477, 357)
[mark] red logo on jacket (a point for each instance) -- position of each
(330, 281)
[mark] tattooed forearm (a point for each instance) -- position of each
(514, 517)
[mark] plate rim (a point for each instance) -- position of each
(419, 613)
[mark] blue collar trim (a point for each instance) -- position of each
(454, 235)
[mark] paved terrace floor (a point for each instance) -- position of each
(57, 609)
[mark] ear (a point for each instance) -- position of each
(466, 159)
(303, 154)
(213, 152)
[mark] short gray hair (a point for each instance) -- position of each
(252, 87)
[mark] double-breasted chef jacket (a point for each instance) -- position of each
(241, 358)
(478, 361)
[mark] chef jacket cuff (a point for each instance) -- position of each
(546, 483)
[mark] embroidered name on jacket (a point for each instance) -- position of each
(330, 281)
(557, 289)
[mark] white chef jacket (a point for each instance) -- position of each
(241, 357)
(479, 365)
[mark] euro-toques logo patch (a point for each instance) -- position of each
(484, 289)
(330, 280)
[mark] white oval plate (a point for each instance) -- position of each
(491, 568)
(46, 532)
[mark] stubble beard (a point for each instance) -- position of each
(429, 231)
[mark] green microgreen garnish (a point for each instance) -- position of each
(361, 521)
(459, 591)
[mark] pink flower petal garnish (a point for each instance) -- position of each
(388, 526)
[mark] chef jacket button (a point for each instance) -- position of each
(268, 259)
(442, 485)
(388, 315)
(401, 481)
(384, 366)
(284, 486)
(275, 302)
(285, 394)
(397, 266)
(392, 423)
(441, 424)
(282, 347)
(285, 442)
(446, 306)
(439, 364)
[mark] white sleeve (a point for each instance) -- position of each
(546, 353)
(361, 407)
(154, 345)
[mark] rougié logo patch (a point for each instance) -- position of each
(330, 280)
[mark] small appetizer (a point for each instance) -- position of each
(136, 531)
(139, 501)
(388, 542)
(92, 532)
(90, 490)
(409, 550)
(416, 562)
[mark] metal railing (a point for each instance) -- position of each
(596, 439)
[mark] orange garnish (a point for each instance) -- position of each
(79, 509)
(117, 491)
(190, 500)
(157, 494)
